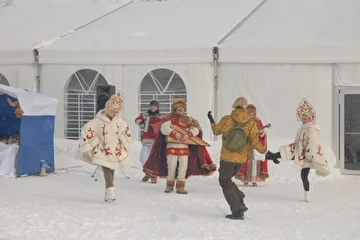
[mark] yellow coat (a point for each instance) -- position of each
(251, 130)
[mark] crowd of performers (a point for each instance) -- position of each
(173, 148)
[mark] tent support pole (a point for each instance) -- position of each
(37, 70)
(215, 52)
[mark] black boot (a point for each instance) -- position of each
(239, 215)
(244, 208)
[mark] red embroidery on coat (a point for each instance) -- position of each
(118, 149)
(127, 131)
(90, 135)
(117, 129)
(292, 147)
(104, 132)
(106, 150)
(305, 143)
(319, 151)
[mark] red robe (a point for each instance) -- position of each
(263, 173)
(200, 162)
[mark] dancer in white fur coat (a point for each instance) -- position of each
(105, 141)
(306, 150)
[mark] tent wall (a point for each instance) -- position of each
(21, 76)
(197, 77)
(276, 90)
(347, 74)
(346, 99)
(54, 80)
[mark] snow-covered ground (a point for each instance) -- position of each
(69, 205)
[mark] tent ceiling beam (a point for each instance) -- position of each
(239, 24)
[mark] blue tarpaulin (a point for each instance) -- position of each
(34, 127)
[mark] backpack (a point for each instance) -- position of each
(236, 139)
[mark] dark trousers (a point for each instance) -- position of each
(304, 177)
(232, 194)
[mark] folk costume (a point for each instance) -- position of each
(306, 150)
(165, 155)
(247, 173)
(146, 120)
(105, 142)
(232, 161)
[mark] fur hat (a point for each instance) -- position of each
(251, 107)
(305, 108)
(240, 102)
(178, 103)
(116, 101)
(154, 103)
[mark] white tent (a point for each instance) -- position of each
(25, 25)
(128, 44)
(288, 50)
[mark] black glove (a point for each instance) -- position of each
(273, 156)
(275, 161)
(210, 117)
(270, 155)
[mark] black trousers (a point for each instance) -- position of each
(232, 194)
(304, 177)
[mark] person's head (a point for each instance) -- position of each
(114, 105)
(154, 105)
(251, 109)
(240, 102)
(305, 118)
(178, 106)
(305, 112)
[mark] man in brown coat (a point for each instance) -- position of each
(232, 156)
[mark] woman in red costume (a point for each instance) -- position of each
(260, 173)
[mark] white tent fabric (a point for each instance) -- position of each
(276, 90)
(285, 51)
(31, 103)
(297, 31)
(41, 23)
(152, 33)
(8, 154)
(126, 45)
(347, 74)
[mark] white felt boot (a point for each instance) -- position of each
(110, 194)
(307, 196)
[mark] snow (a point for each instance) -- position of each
(69, 205)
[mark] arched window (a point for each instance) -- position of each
(163, 85)
(80, 100)
(3, 80)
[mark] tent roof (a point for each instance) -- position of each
(23, 26)
(297, 31)
(152, 32)
(31, 103)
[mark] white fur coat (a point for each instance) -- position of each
(307, 150)
(105, 142)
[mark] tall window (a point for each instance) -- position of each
(80, 100)
(163, 85)
(3, 80)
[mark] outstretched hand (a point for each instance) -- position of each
(210, 117)
(275, 160)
